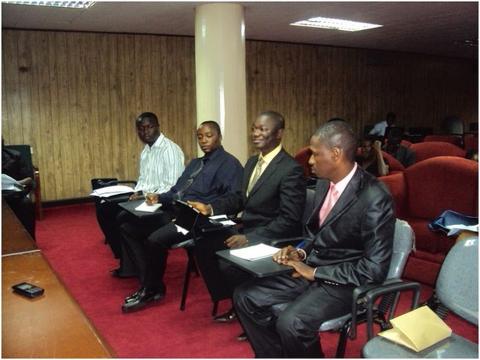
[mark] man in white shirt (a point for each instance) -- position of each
(380, 127)
(161, 164)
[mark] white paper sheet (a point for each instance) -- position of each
(455, 229)
(9, 183)
(254, 252)
(112, 191)
(147, 208)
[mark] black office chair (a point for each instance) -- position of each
(98, 183)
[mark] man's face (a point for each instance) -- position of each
(366, 148)
(264, 135)
(323, 159)
(148, 131)
(208, 138)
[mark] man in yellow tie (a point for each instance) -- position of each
(272, 197)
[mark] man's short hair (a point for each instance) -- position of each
(147, 116)
(276, 117)
(391, 115)
(338, 134)
(214, 125)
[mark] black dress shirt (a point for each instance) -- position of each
(221, 173)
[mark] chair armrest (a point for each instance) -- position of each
(394, 287)
(364, 297)
(287, 241)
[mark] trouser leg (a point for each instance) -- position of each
(157, 246)
(292, 332)
(253, 303)
(107, 212)
(24, 209)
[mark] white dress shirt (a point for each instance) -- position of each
(160, 166)
(379, 128)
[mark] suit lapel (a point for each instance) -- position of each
(266, 173)
(320, 193)
(249, 168)
(347, 199)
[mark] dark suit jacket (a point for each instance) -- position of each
(275, 205)
(354, 244)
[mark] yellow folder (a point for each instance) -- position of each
(417, 329)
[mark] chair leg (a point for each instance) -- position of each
(342, 341)
(186, 282)
(215, 308)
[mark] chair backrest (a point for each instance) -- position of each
(427, 150)
(99, 183)
(393, 163)
(403, 242)
(457, 283)
(309, 202)
(452, 139)
(26, 155)
(302, 157)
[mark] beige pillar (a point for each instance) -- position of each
(220, 73)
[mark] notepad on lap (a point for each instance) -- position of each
(417, 329)
(254, 252)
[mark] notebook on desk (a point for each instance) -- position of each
(187, 217)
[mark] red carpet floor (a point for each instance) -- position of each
(73, 244)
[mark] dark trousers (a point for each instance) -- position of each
(107, 211)
(143, 240)
(24, 209)
(293, 332)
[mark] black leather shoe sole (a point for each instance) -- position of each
(242, 337)
(137, 304)
(225, 318)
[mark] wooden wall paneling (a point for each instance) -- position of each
(11, 115)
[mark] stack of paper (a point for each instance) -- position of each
(112, 191)
(455, 229)
(417, 329)
(254, 252)
(9, 183)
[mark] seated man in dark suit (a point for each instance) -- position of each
(272, 197)
(349, 243)
(19, 201)
(216, 174)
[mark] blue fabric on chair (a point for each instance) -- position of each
(450, 217)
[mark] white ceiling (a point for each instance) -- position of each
(421, 27)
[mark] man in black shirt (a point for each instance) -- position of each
(205, 179)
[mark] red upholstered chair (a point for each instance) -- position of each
(452, 139)
(394, 165)
(427, 150)
(302, 157)
(405, 143)
(421, 193)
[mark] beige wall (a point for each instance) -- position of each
(74, 96)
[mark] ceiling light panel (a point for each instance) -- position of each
(335, 24)
(63, 4)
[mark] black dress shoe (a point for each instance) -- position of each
(228, 317)
(142, 299)
(118, 273)
(133, 296)
(242, 337)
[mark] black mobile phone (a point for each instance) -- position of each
(28, 290)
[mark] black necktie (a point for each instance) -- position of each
(191, 178)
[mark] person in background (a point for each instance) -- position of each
(379, 129)
(272, 199)
(19, 201)
(394, 147)
(161, 163)
(205, 179)
(371, 159)
(349, 243)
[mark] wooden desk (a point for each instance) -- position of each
(50, 326)
(15, 238)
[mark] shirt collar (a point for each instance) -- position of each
(214, 154)
(342, 184)
(271, 155)
(158, 142)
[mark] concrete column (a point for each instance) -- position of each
(220, 73)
